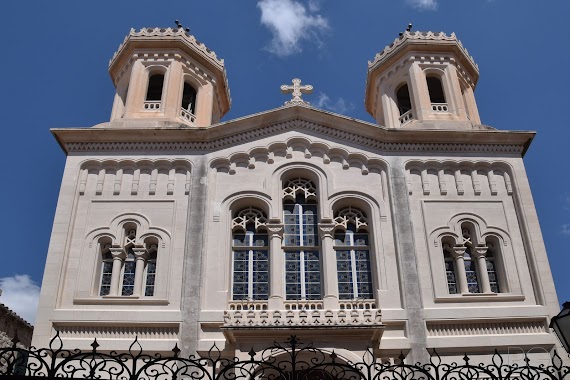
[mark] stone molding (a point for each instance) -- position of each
(302, 318)
(295, 124)
(475, 170)
(157, 33)
(123, 173)
(419, 36)
(480, 327)
(117, 332)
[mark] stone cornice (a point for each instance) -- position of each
(418, 37)
(161, 33)
(297, 118)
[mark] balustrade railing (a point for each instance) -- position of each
(439, 107)
(406, 117)
(187, 115)
(302, 318)
(357, 304)
(152, 105)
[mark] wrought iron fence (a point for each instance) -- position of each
(290, 360)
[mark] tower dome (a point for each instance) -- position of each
(167, 76)
(423, 80)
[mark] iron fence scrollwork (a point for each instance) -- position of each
(289, 360)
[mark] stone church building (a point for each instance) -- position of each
(417, 231)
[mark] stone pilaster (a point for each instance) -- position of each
(408, 266)
(193, 258)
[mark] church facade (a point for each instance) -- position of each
(415, 232)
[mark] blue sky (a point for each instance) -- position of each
(54, 64)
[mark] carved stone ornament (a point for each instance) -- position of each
(297, 91)
(275, 230)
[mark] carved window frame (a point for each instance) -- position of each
(350, 222)
(252, 222)
(303, 262)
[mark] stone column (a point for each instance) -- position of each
(419, 93)
(137, 90)
(276, 265)
(172, 90)
(329, 271)
(141, 256)
(458, 253)
(480, 253)
(119, 255)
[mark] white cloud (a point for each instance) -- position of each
(340, 106)
(565, 229)
(290, 22)
(21, 295)
(423, 4)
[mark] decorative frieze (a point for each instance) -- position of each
(125, 177)
(302, 318)
(306, 149)
(116, 332)
(479, 327)
(457, 178)
(295, 124)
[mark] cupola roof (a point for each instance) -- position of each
(161, 39)
(420, 42)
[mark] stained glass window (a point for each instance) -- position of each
(106, 273)
(492, 269)
(450, 273)
(250, 256)
(471, 271)
(150, 275)
(300, 239)
(352, 255)
(129, 267)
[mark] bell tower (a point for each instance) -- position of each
(423, 80)
(167, 76)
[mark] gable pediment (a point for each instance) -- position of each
(151, 136)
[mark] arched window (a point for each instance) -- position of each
(450, 269)
(128, 269)
(492, 258)
(300, 240)
(128, 280)
(150, 272)
(435, 89)
(353, 254)
(250, 255)
(471, 271)
(472, 266)
(154, 90)
(106, 266)
(189, 98)
(403, 99)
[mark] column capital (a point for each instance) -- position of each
(275, 229)
(326, 228)
(480, 251)
(140, 252)
(118, 252)
(458, 251)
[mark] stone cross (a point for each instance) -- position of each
(296, 90)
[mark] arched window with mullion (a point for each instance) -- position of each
(250, 255)
(353, 255)
(300, 241)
